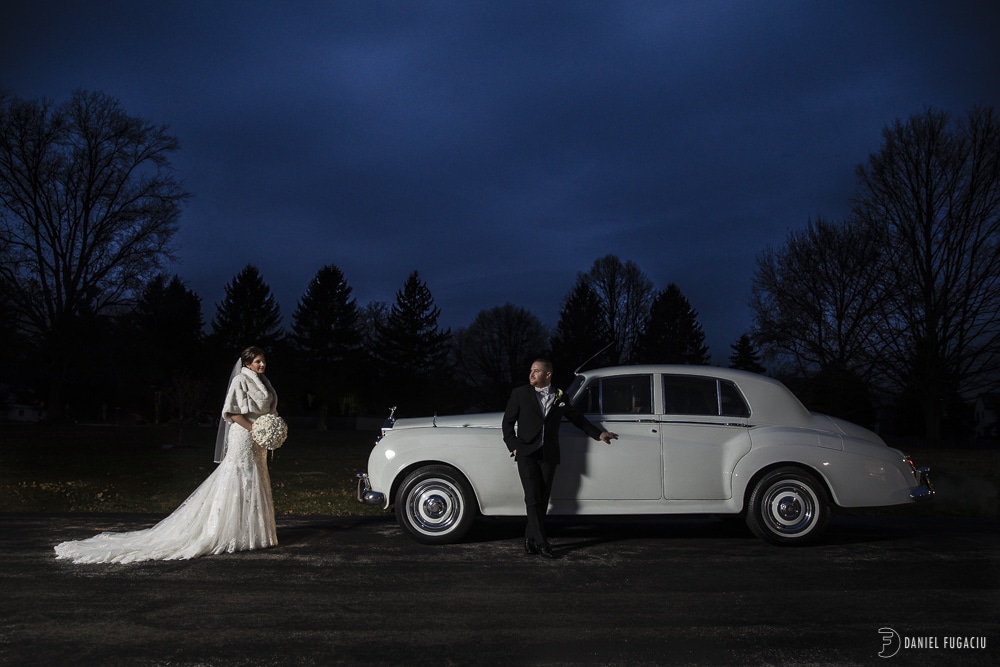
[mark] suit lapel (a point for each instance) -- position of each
(534, 401)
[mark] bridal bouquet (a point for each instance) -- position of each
(269, 431)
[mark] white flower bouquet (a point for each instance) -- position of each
(269, 431)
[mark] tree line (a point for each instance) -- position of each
(337, 358)
(896, 306)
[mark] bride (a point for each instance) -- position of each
(231, 511)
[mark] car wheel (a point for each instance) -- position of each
(788, 506)
(435, 505)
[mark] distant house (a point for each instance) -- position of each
(17, 406)
(986, 417)
(23, 413)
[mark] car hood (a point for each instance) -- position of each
(481, 420)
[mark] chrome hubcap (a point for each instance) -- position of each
(789, 508)
(434, 506)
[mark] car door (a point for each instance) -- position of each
(627, 469)
(705, 432)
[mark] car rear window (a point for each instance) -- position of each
(694, 395)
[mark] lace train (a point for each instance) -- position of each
(231, 511)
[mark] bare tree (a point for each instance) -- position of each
(814, 300)
(494, 352)
(932, 193)
(370, 316)
(88, 207)
(625, 294)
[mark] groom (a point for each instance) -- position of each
(537, 409)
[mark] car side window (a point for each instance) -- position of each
(693, 395)
(589, 398)
(731, 400)
(626, 394)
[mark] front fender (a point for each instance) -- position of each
(478, 454)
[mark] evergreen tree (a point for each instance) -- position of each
(411, 350)
(673, 334)
(327, 341)
(168, 317)
(168, 323)
(248, 315)
(745, 356)
(325, 322)
(580, 334)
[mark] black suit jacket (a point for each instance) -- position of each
(524, 410)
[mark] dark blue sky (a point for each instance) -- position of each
(499, 148)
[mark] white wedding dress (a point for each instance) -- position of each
(231, 511)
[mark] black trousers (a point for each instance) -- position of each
(536, 478)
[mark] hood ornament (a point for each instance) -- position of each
(387, 425)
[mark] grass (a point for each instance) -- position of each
(78, 468)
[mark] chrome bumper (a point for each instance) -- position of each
(925, 490)
(365, 493)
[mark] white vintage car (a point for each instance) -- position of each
(692, 440)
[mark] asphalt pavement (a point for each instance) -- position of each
(356, 591)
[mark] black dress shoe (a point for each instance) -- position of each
(546, 551)
(530, 547)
